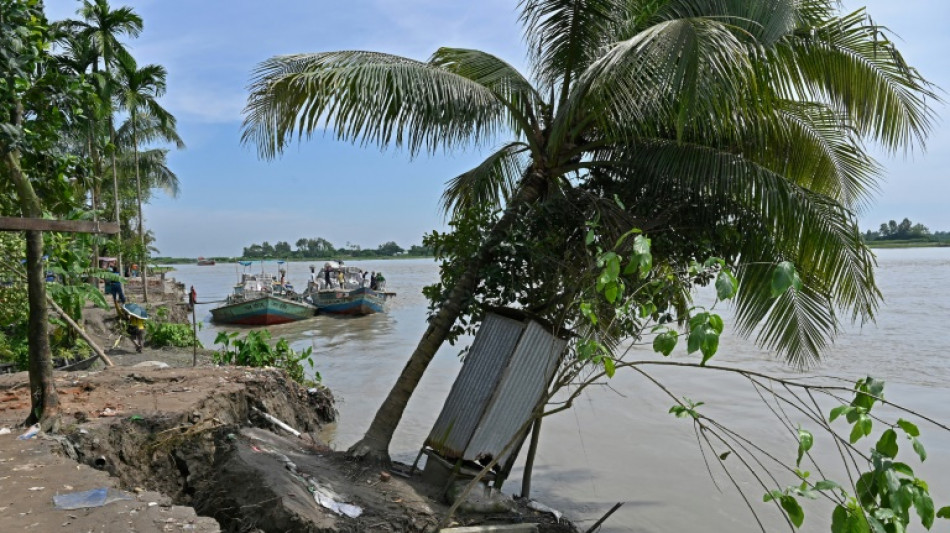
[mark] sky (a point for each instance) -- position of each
(350, 194)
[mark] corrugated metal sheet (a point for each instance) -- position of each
(526, 377)
(471, 393)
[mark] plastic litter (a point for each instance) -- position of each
(545, 509)
(30, 433)
(328, 499)
(89, 498)
(5, 431)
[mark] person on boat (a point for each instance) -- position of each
(380, 281)
(341, 278)
(366, 282)
(313, 274)
(326, 276)
(372, 281)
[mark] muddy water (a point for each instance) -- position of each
(619, 444)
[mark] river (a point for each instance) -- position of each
(619, 444)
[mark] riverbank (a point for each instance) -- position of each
(198, 449)
(908, 244)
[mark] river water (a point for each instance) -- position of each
(619, 444)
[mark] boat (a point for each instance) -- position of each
(262, 300)
(205, 262)
(349, 297)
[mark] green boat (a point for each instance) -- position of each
(262, 300)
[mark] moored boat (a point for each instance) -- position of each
(262, 300)
(341, 290)
(205, 262)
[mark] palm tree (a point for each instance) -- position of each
(100, 28)
(139, 93)
(763, 107)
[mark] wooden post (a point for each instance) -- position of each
(194, 329)
(529, 461)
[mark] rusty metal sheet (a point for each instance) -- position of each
(525, 380)
(471, 393)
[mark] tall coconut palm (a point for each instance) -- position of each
(101, 27)
(763, 107)
(138, 93)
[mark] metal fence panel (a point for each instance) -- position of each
(521, 386)
(471, 393)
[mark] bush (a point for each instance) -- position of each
(159, 333)
(255, 350)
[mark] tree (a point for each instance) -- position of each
(100, 30)
(139, 93)
(36, 100)
(390, 248)
(282, 248)
(751, 105)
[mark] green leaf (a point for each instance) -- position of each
(611, 291)
(726, 285)
(723, 455)
(679, 411)
(887, 444)
(919, 448)
(875, 525)
(844, 520)
(665, 342)
(944, 512)
(590, 237)
(857, 431)
(715, 321)
(610, 367)
(838, 411)
(805, 442)
(827, 484)
(708, 344)
(924, 505)
(793, 509)
(908, 428)
(772, 495)
(785, 276)
(903, 469)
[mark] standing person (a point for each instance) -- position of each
(137, 332)
(114, 287)
(313, 274)
(380, 281)
(373, 284)
(365, 278)
(341, 278)
(326, 275)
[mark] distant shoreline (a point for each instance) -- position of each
(193, 260)
(908, 244)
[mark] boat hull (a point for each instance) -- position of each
(362, 301)
(263, 311)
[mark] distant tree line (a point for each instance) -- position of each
(322, 248)
(905, 230)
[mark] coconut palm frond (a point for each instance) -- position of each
(150, 129)
(375, 98)
(490, 183)
(851, 63)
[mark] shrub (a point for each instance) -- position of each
(255, 350)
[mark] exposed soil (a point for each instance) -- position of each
(197, 437)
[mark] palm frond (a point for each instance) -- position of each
(371, 97)
(490, 183)
(565, 36)
(818, 234)
(850, 63)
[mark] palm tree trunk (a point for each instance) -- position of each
(375, 443)
(138, 192)
(115, 194)
(43, 397)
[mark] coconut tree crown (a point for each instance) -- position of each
(760, 108)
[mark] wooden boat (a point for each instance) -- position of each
(359, 301)
(261, 300)
(205, 262)
(264, 310)
(350, 297)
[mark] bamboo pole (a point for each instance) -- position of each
(82, 333)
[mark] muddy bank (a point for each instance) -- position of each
(200, 437)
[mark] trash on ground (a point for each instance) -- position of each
(537, 506)
(327, 498)
(89, 498)
(30, 433)
(5, 431)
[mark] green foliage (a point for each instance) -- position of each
(255, 350)
(160, 333)
(884, 494)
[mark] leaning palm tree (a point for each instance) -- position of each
(138, 94)
(763, 107)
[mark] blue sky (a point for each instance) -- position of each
(345, 193)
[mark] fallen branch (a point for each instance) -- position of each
(81, 332)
